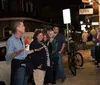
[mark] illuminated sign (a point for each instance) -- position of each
(86, 11)
(86, 1)
(95, 23)
(66, 16)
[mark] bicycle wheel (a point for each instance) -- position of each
(72, 67)
(79, 59)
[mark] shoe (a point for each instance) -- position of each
(95, 63)
(63, 79)
(92, 59)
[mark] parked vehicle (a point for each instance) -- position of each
(4, 66)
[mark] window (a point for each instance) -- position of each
(29, 6)
(7, 32)
(22, 5)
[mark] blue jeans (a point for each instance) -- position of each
(20, 77)
(93, 52)
(60, 71)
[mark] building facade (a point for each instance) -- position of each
(19, 10)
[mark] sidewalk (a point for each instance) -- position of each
(86, 76)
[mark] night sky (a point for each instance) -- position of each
(57, 6)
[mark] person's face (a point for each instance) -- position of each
(48, 32)
(51, 34)
(45, 38)
(21, 28)
(40, 37)
(56, 30)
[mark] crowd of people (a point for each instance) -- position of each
(44, 56)
(95, 50)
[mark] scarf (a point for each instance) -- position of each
(47, 53)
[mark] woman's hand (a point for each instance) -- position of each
(35, 50)
(39, 49)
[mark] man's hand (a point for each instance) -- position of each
(16, 53)
(19, 51)
(63, 46)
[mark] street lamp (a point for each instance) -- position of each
(81, 22)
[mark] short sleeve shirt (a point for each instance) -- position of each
(60, 40)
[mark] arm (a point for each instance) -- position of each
(35, 50)
(63, 46)
(33, 45)
(10, 51)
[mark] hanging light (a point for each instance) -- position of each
(88, 26)
(81, 22)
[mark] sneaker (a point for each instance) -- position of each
(92, 59)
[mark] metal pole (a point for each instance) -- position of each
(67, 37)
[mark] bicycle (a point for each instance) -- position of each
(75, 59)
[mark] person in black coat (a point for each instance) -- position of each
(40, 59)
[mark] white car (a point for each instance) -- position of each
(4, 66)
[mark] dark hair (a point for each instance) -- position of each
(55, 27)
(15, 24)
(45, 34)
(36, 34)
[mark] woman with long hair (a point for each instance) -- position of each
(40, 59)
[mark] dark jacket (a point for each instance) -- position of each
(38, 58)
